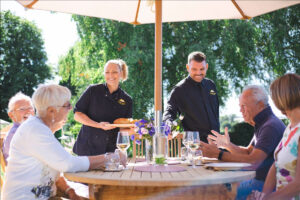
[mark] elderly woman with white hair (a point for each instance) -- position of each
(19, 109)
(36, 156)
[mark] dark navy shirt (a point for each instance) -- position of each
(101, 106)
(268, 131)
(198, 103)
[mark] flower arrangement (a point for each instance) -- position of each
(146, 129)
(176, 126)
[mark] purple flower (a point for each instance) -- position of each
(167, 130)
(138, 142)
(284, 172)
(140, 131)
(132, 137)
(143, 121)
(152, 131)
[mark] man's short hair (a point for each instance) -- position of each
(258, 93)
(49, 95)
(285, 92)
(14, 99)
(196, 56)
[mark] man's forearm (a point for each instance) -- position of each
(235, 157)
(232, 148)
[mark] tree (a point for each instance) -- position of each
(237, 51)
(22, 60)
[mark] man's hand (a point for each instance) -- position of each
(222, 141)
(209, 150)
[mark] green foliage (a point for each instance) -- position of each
(22, 59)
(237, 52)
(241, 134)
(227, 121)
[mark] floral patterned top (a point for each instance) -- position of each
(286, 155)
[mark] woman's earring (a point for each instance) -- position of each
(52, 119)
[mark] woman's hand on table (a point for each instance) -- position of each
(103, 125)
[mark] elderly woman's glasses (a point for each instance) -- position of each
(69, 106)
(25, 109)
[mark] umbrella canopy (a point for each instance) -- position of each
(143, 11)
(159, 11)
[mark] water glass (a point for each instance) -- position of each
(184, 153)
(113, 161)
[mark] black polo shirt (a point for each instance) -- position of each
(199, 104)
(101, 106)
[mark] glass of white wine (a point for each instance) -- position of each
(193, 142)
(123, 141)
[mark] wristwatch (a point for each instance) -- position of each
(220, 155)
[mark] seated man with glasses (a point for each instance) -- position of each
(19, 109)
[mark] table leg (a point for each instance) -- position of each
(94, 191)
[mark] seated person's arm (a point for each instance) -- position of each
(223, 141)
(270, 182)
(292, 188)
(256, 156)
(62, 186)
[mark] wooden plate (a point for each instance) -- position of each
(121, 125)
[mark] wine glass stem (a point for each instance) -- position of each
(193, 159)
(125, 153)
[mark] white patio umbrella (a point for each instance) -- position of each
(159, 11)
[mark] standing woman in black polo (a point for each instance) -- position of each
(99, 106)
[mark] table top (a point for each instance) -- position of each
(129, 177)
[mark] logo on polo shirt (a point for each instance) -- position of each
(212, 92)
(122, 102)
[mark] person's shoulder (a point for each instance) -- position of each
(125, 95)
(273, 125)
(181, 83)
(209, 82)
(96, 87)
(275, 121)
(33, 126)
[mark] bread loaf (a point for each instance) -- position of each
(125, 121)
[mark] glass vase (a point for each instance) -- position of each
(149, 151)
(160, 144)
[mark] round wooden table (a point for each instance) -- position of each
(195, 183)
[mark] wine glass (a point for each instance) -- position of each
(123, 141)
(193, 143)
(186, 140)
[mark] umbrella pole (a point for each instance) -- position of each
(158, 63)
